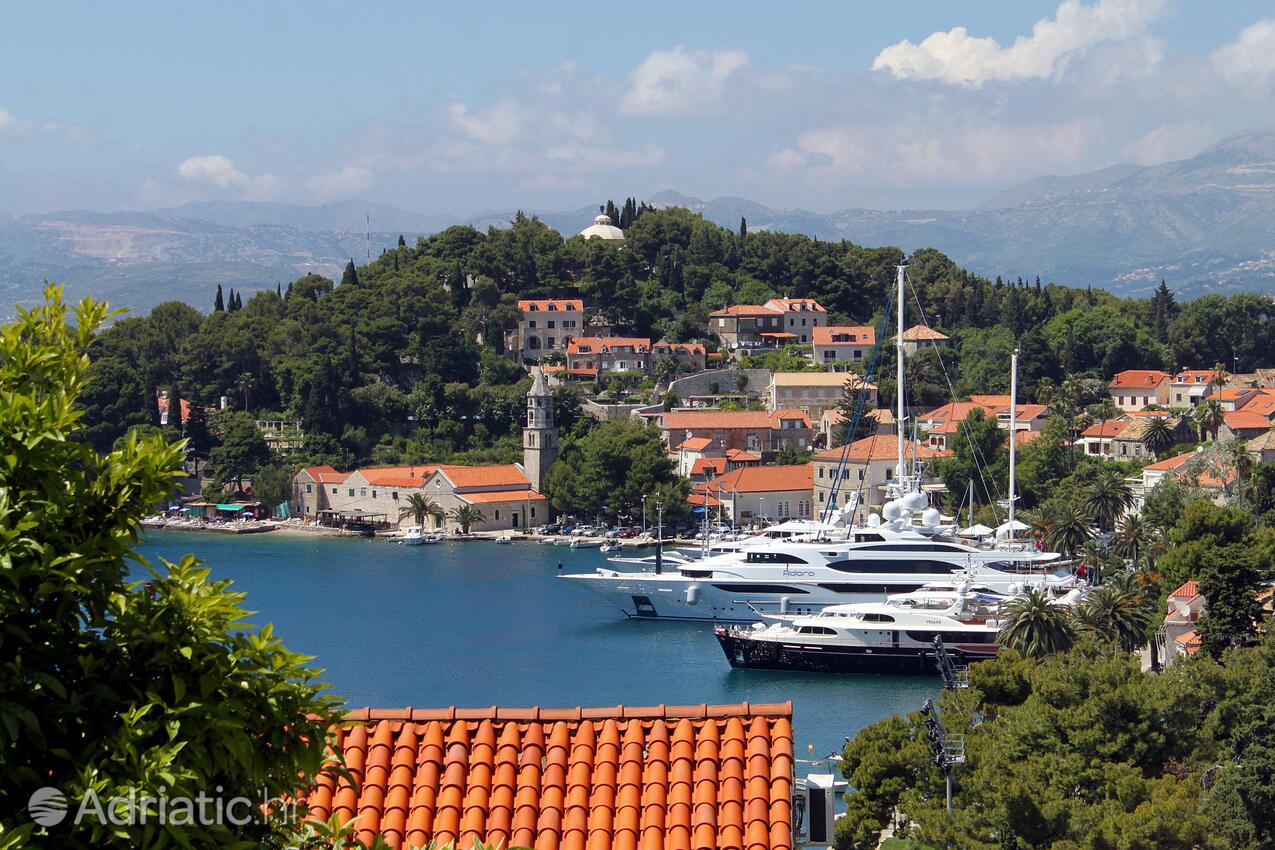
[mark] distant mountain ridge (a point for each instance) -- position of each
(1203, 223)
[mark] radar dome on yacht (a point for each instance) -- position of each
(930, 517)
(914, 501)
(873, 520)
(891, 510)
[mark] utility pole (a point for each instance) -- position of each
(659, 536)
(949, 750)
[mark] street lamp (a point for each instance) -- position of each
(644, 513)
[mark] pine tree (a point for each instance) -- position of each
(219, 304)
(743, 227)
(1163, 310)
(351, 275)
(288, 294)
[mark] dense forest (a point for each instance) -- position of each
(401, 360)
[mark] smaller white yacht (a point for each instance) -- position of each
(413, 535)
(895, 636)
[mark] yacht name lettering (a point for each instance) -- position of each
(792, 572)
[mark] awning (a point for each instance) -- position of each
(977, 530)
(1002, 530)
(232, 507)
(779, 335)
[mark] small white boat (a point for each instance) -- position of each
(433, 537)
(608, 547)
(546, 541)
(413, 535)
(505, 538)
(581, 543)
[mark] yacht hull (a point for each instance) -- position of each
(751, 654)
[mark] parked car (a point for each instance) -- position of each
(550, 528)
(618, 531)
(630, 533)
(567, 529)
(583, 531)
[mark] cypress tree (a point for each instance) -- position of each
(743, 227)
(230, 302)
(278, 289)
(238, 300)
(402, 243)
(351, 276)
(219, 304)
(175, 409)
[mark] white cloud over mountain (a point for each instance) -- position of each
(1251, 56)
(680, 81)
(220, 172)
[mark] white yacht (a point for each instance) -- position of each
(895, 636)
(808, 565)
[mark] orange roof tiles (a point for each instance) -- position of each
(1169, 463)
(844, 335)
(708, 466)
(879, 447)
(1243, 420)
(1110, 428)
(1027, 411)
(795, 305)
(726, 419)
(493, 475)
(1195, 376)
(1189, 641)
(741, 456)
(676, 777)
(551, 305)
(1022, 438)
(692, 348)
(957, 411)
(921, 333)
(1189, 590)
(747, 310)
(607, 344)
(1139, 379)
(524, 495)
(326, 474)
(695, 444)
(397, 476)
(765, 479)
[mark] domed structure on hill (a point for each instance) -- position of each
(603, 229)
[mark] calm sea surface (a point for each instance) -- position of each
(477, 624)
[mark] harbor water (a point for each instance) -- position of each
(478, 624)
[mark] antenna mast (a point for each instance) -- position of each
(898, 350)
(369, 238)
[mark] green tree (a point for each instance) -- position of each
(1158, 435)
(1117, 614)
(1068, 527)
(980, 454)
(466, 516)
(1134, 537)
(219, 304)
(1035, 627)
(1230, 577)
(1208, 418)
(240, 448)
(199, 439)
(1107, 497)
(110, 685)
(272, 485)
(418, 506)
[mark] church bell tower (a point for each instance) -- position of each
(540, 436)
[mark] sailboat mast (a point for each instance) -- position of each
(1013, 436)
(898, 377)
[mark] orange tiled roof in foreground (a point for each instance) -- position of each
(880, 447)
(676, 777)
(765, 479)
(1139, 378)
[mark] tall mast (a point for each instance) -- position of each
(1013, 436)
(898, 377)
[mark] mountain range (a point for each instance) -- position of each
(1204, 224)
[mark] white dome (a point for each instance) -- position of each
(891, 510)
(930, 518)
(873, 520)
(602, 228)
(914, 501)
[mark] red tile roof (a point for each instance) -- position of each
(598, 344)
(1243, 420)
(1189, 641)
(397, 476)
(765, 479)
(851, 335)
(746, 310)
(1195, 376)
(1139, 379)
(957, 411)
(793, 305)
(880, 447)
(695, 444)
(1189, 590)
(494, 475)
(326, 474)
(921, 333)
(1022, 438)
(558, 305)
(675, 777)
(741, 456)
(1027, 411)
(525, 495)
(725, 419)
(1169, 463)
(692, 348)
(708, 466)
(1110, 428)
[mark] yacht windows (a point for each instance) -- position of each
(952, 637)
(868, 538)
(697, 573)
(910, 565)
(914, 547)
(773, 558)
(847, 587)
(872, 617)
(759, 588)
(815, 630)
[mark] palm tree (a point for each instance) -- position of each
(465, 516)
(1208, 418)
(1107, 497)
(1035, 627)
(1133, 536)
(1117, 612)
(245, 383)
(418, 506)
(1068, 528)
(1157, 435)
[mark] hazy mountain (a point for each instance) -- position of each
(1203, 224)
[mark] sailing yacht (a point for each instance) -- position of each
(835, 561)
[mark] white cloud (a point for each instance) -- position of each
(586, 158)
(11, 125)
(218, 171)
(1170, 142)
(957, 57)
(350, 180)
(681, 81)
(1251, 55)
(499, 124)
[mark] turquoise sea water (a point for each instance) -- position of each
(477, 624)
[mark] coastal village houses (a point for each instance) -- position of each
(545, 325)
(701, 458)
(1134, 389)
(752, 493)
(755, 431)
(920, 337)
(590, 357)
(769, 325)
(869, 467)
(814, 392)
(1191, 386)
(841, 345)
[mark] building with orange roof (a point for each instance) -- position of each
(769, 325)
(842, 344)
(1131, 442)
(1134, 389)
(657, 778)
(600, 355)
(751, 493)
(942, 422)
(920, 337)
(1185, 606)
(546, 324)
(1243, 425)
(1098, 439)
(689, 356)
(869, 467)
(755, 431)
(1189, 387)
(814, 392)
(1262, 448)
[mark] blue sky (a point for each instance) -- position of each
(454, 107)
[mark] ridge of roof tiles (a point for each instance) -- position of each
(677, 777)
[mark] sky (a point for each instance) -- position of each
(465, 107)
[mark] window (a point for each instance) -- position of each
(373, 494)
(333, 491)
(351, 491)
(309, 488)
(549, 324)
(816, 630)
(497, 513)
(531, 323)
(773, 558)
(549, 342)
(362, 493)
(394, 495)
(533, 511)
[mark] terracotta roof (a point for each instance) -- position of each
(597, 344)
(1189, 590)
(1026, 411)
(747, 310)
(741, 456)
(793, 305)
(1110, 428)
(921, 333)
(817, 379)
(1169, 463)
(695, 444)
(1022, 438)
(558, 304)
(779, 335)
(486, 496)
(850, 335)
(1195, 376)
(553, 368)
(1140, 378)
(880, 447)
(582, 370)
(326, 474)
(1263, 406)
(701, 498)
(675, 777)
(991, 401)
(493, 475)
(1190, 641)
(692, 348)
(1242, 395)
(1243, 420)
(957, 411)
(765, 479)
(397, 476)
(951, 426)
(693, 419)
(708, 466)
